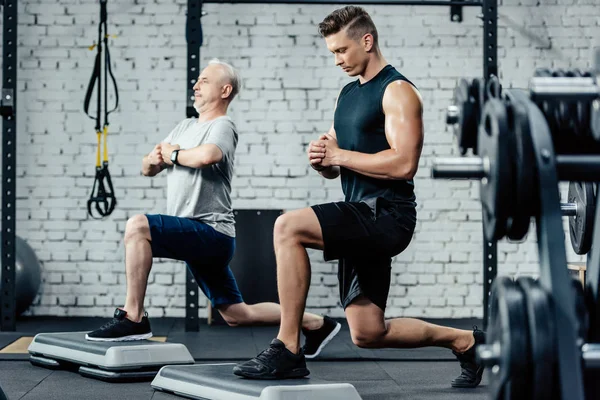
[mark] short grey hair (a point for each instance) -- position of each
(232, 75)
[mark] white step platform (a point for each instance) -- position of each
(111, 361)
(217, 382)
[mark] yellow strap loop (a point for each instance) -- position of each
(99, 134)
(105, 143)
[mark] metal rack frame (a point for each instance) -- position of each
(9, 164)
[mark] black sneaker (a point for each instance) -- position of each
(121, 329)
(275, 362)
(317, 339)
(471, 372)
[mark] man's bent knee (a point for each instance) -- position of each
(236, 314)
(367, 339)
(293, 227)
(284, 227)
(137, 226)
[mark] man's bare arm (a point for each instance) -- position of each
(403, 109)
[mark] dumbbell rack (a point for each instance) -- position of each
(544, 336)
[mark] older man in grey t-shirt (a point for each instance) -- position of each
(198, 227)
(203, 193)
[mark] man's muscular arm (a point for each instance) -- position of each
(402, 107)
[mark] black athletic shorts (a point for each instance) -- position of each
(364, 236)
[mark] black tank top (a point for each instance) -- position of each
(359, 124)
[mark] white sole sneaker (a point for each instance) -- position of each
(120, 339)
(334, 332)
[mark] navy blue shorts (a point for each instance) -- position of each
(206, 252)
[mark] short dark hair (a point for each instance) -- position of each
(355, 19)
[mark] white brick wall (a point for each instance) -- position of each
(290, 84)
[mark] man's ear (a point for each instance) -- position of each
(368, 42)
(226, 91)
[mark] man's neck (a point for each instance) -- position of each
(373, 68)
(212, 113)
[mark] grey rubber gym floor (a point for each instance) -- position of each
(376, 374)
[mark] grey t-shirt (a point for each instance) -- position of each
(204, 193)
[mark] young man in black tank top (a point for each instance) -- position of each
(374, 144)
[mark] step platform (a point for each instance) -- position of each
(108, 361)
(217, 382)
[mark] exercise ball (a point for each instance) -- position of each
(27, 275)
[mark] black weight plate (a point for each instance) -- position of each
(581, 312)
(496, 188)
(493, 89)
(560, 111)
(581, 225)
(595, 118)
(542, 339)
(478, 94)
(571, 108)
(508, 329)
(583, 113)
(542, 72)
(573, 73)
(580, 110)
(547, 107)
(524, 187)
(466, 129)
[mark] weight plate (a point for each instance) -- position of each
(542, 72)
(508, 330)
(525, 184)
(478, 94)
(466, 129)
(542, 339)
(581, 312)
(493, 89)
(581, 226)
(581, 111)
(547, 107)
(595, 118)
(496, 187)
(560, 111)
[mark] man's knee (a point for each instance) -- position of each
(232, 320)
(297, 227)
(136, 226)
(284, 229)
(236, 314)
(367, 338)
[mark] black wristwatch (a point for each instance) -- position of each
(174, 155)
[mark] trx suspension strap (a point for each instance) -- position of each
(102, 197)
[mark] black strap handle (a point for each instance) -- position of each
(103, 200)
